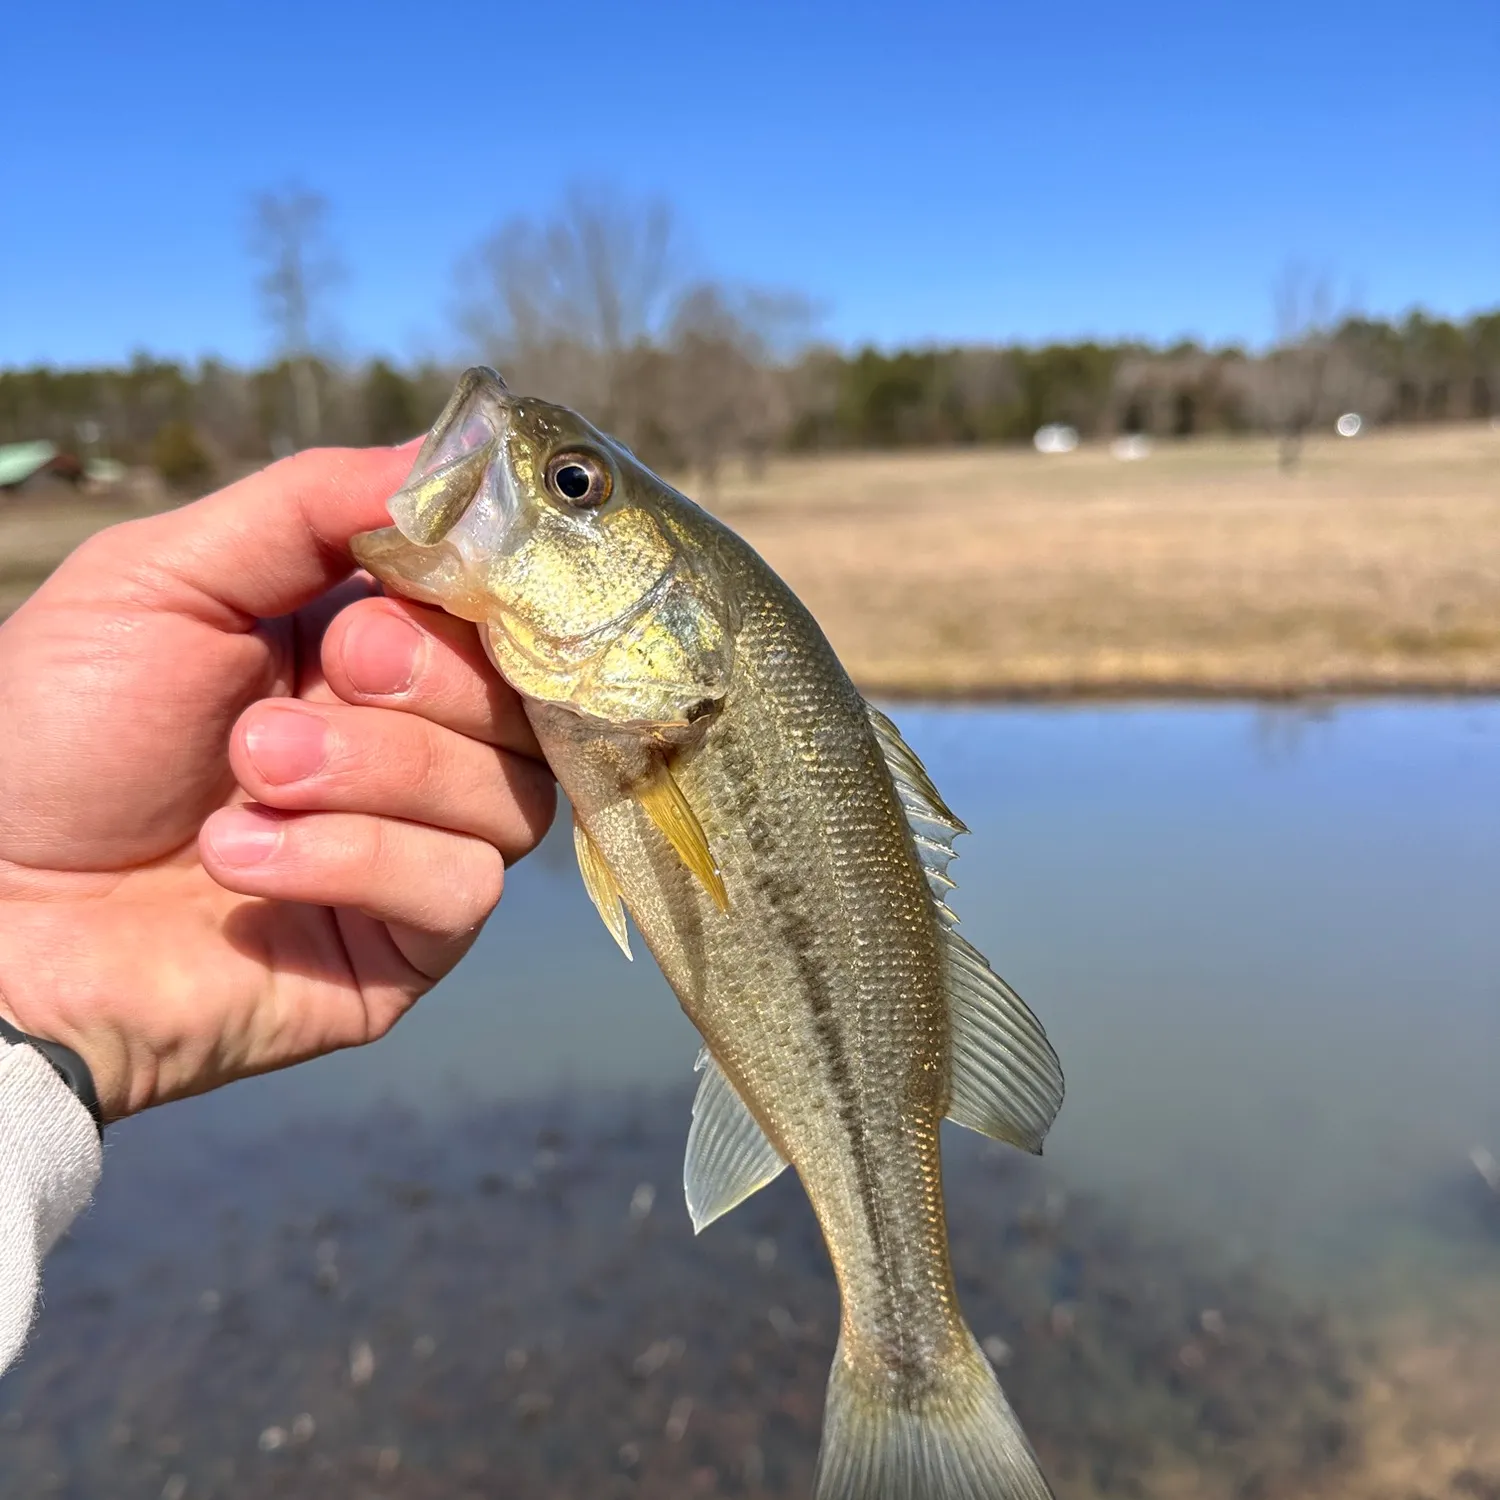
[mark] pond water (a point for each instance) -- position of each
(1263, 940)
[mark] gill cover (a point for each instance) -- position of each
(606, 610)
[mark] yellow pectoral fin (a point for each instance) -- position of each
(600, 885)
(673, 815)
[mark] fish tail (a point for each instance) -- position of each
(955, 1439)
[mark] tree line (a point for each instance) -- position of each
(596, 305)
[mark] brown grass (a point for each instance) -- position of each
(1200, 570)
(38, 531)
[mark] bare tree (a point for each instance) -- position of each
(711, 380)
(727, 390)
(224, 410)
(289, 238)
(592, 306)
(570, 303)
(1297, 366)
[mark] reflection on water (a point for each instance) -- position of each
(1262, 939)
(1258, 1259)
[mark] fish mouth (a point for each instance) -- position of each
(457, 463)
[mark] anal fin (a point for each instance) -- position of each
(729, 1156)
(601, 886)
(673, 814)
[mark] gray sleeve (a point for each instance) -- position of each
(49, 1165)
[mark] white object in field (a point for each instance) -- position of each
(1349, 424)
(1055, 437)
(1131, 446)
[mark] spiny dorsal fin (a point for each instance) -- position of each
(674, 816)
(600, 885)
(729, 1156)
(1007, 1083)
(933, 824)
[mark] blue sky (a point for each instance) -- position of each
(935, 171)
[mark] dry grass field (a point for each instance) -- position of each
(38, 531)
(1199, 570)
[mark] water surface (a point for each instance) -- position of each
(1263, 940)
(457, 1263)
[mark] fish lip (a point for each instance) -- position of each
(574, 648)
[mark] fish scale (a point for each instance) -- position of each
(783, 855)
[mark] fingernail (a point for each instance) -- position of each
(243, 837)
(286, 744)
(380, 654)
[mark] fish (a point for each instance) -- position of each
(784, 856)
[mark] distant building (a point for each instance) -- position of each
(20, 463)
(1055, 437)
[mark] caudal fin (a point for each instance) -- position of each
(957, 1440)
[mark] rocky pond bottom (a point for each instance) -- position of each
(512, 1304)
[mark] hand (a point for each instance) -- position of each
(249, 812)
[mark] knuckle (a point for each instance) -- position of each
(481, 877)
(366, 844)
(534, 794)
(295, 468)
(375, 759)
(105, 546)
(542, 806)
(420, 755)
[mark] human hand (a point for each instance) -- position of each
(249, 812)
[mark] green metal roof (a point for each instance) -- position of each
(20, 461)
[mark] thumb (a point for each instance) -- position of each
(262, 547)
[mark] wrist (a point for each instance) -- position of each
(66, 1063)
(44, 1003)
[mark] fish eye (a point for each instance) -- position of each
(581, 479)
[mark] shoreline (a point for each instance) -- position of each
(1127, 694)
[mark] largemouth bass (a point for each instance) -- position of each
(784, 855)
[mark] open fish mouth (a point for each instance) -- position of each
(458, 508)
(457, 465)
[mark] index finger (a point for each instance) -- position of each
(393, 653)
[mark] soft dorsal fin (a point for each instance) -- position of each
(729, 1156)
(1007, 1083)
(601, 886)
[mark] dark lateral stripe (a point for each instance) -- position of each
(788, 900)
